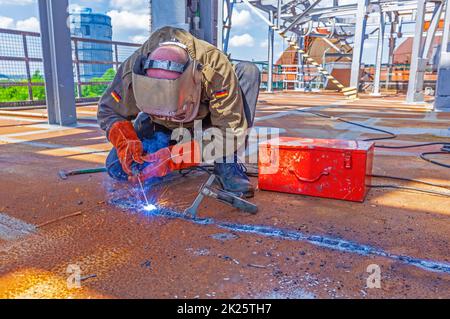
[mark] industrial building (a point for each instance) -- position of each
(88, 25)
(360, 207)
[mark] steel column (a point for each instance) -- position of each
(418, 64)
(278, 13)
(270, 56)
(392, 42)
(442, 102)
(58, 68)
(434, 24)
(360, 34)
(379, 58)
(220, 24)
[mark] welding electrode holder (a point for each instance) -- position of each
(220, 195)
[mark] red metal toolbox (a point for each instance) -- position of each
(317, 167)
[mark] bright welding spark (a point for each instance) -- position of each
(149, 207)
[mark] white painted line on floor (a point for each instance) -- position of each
(14, 113)
(20, 119)
(76, 150)
(45, 129)
(12, 228)
(43, 121)
(296, 111)
(396, 130)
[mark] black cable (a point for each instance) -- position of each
(204, 168)
(391, 135)
(445, 149)
(209, 170)
(411, 189)
(423, 156)
(410, 180)
(414, 145)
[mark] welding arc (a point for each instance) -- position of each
(143, 191)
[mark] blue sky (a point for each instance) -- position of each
(131, 23)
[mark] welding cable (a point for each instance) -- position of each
(423, 156)
(391, 135)
(210, 170)
(203, 168)
(412, 189)
(445, 149)
(410, 180)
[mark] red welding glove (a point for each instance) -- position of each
(129, 148)
(171, 159)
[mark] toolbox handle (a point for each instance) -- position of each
(307, 180)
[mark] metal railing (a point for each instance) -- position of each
(21, 65)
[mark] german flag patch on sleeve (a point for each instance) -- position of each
(116, 96)
(221, 94)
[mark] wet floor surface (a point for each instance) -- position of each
(295, 247)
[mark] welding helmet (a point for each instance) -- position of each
(167, 83)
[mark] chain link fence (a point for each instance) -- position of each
(22, 69)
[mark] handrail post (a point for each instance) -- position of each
(77, 68)
(116, 54)
(27, 66)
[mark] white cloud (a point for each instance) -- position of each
(30, 24)
(264, 44)
(138, 39)
(75, 7)
(241, 18)
(245, 40)
(126, 20)
(130, 5)
(6, 23)
(129, 26)
(16, 2)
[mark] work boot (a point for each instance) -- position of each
(233, 179)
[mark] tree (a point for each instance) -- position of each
(98, 90)
(20, 93)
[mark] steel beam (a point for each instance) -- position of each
(58, 69)
(434, 24)
(394, 19)
(220, 24)
(270, 46)
(379, 57)
(301, 15)
(418, 63)
(360, 31)
(442, 102)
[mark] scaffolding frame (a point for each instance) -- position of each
(348, 24)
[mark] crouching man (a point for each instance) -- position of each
(173, 80)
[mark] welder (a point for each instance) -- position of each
(171, 81)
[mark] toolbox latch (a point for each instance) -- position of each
(348, 160)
